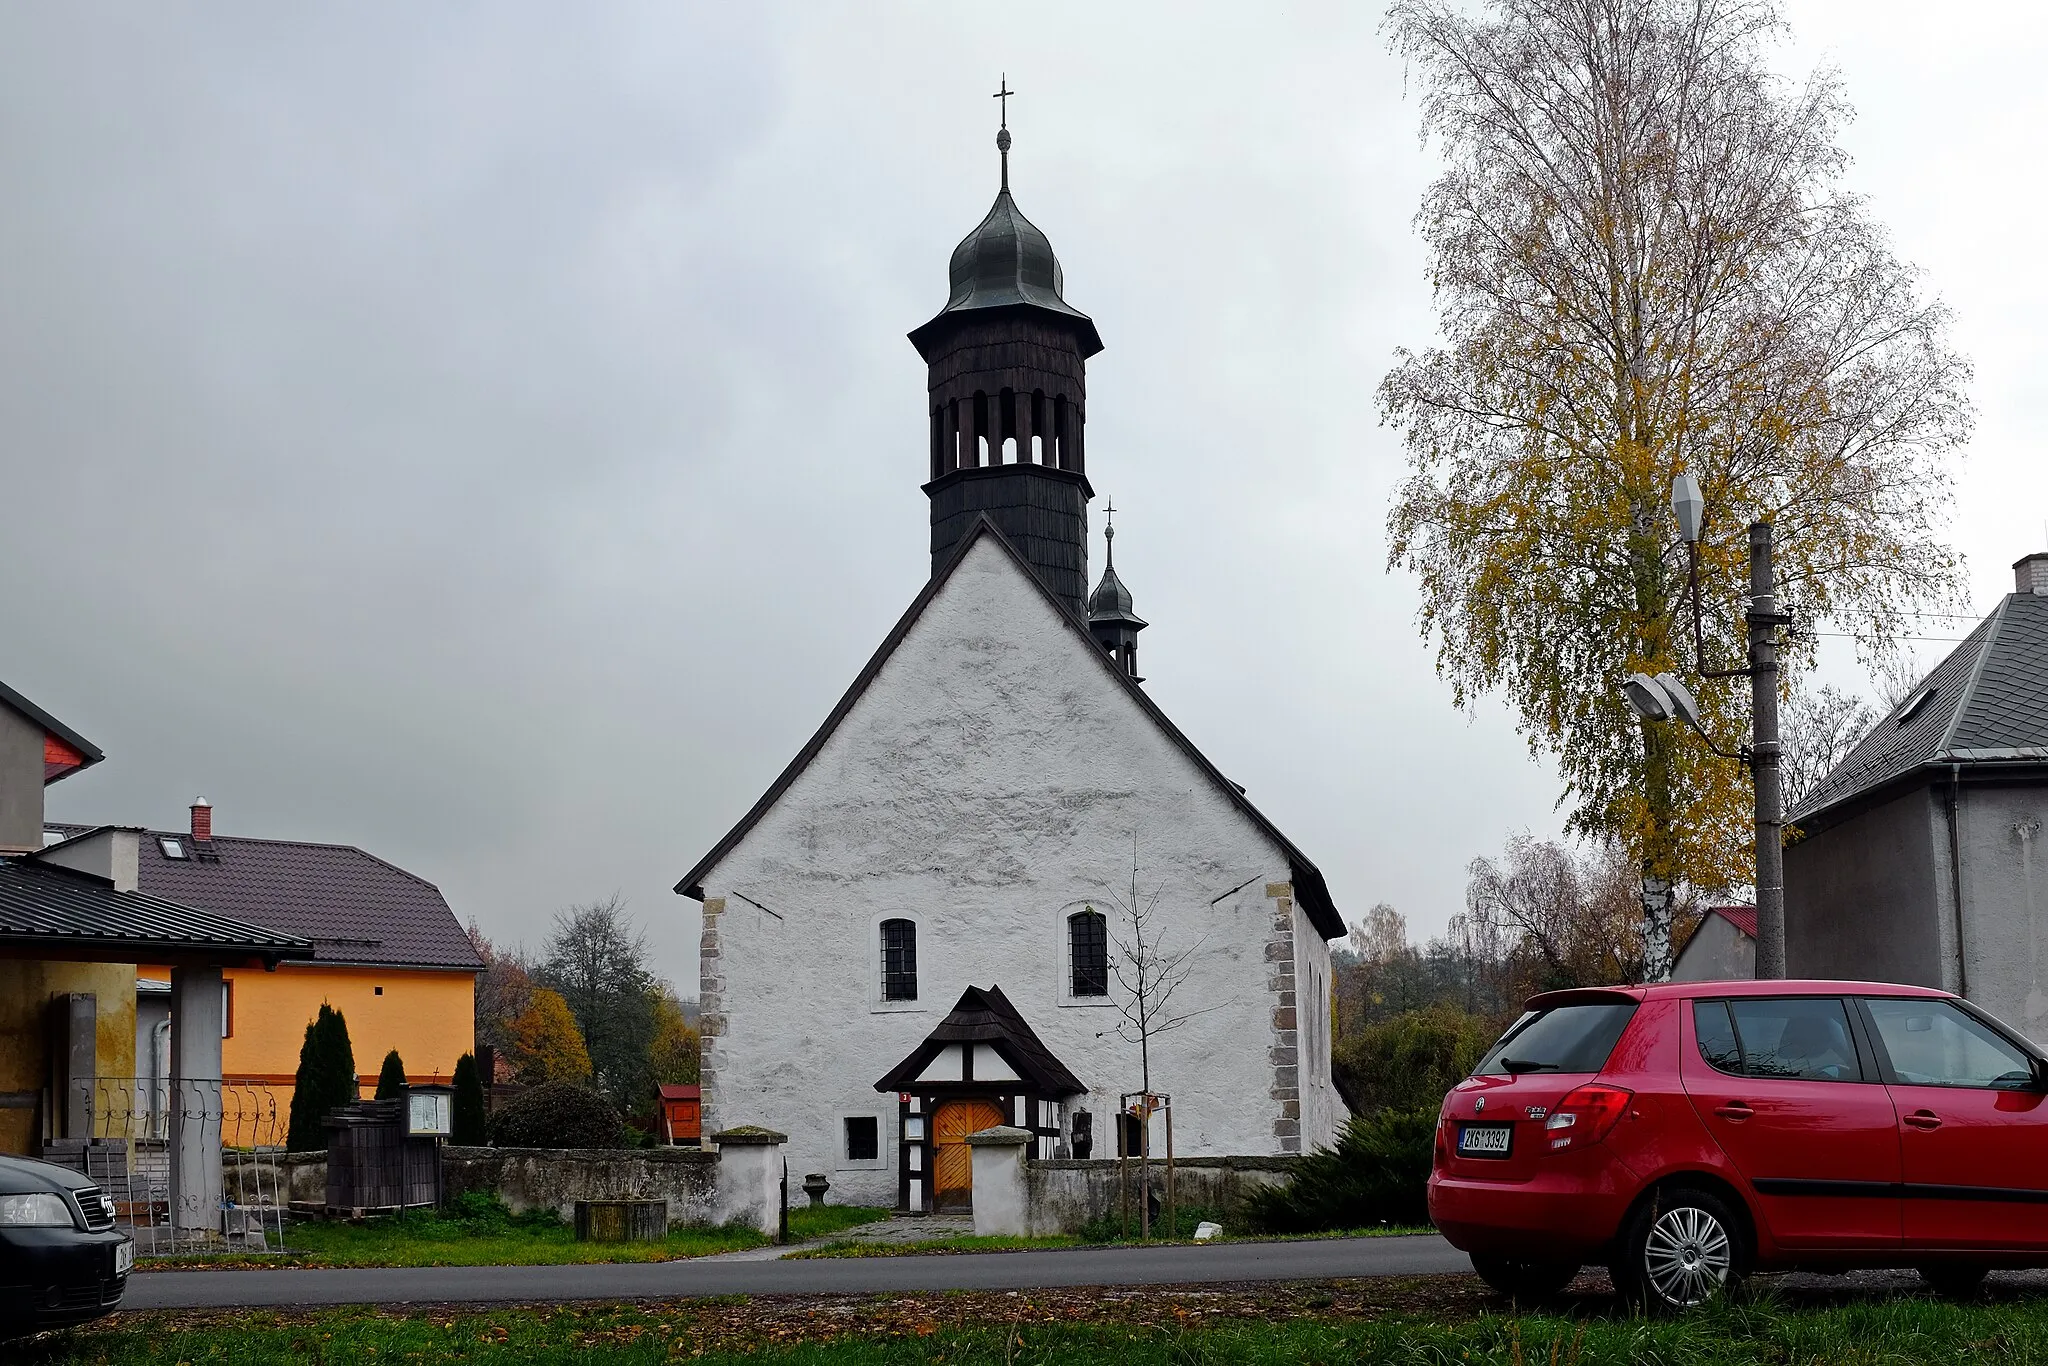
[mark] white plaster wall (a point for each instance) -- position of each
(1321, 1109)
(992, 779)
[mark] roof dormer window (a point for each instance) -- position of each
(172, 848)
(1914, 704)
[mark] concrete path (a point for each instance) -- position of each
(1178, 1265)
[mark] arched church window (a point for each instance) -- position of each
(1088, 953)
(899, 960)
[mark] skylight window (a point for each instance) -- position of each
(172, 848)
(1914, 704)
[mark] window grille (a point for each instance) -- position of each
(863, 1138)
(1088, 945)
(899, 960)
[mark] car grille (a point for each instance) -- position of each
(99, 1210)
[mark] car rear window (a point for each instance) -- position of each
(1566, 1038)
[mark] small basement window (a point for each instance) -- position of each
(172, 848)
(863, 1138)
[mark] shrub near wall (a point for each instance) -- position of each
(1378, 1172)
(557, 1115)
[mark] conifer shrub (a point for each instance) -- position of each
(326, 1078)
(1378, 1173)
(391, 1080)
(470, 1118)
(557, 1115)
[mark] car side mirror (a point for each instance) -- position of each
(2040, 1075)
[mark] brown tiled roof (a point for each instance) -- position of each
(355, 907)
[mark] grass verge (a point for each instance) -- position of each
(1421, 1319)
(481, 1232)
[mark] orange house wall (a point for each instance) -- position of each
(428, 1016)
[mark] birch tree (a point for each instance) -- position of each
(1644, 261)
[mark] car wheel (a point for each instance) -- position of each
(1527, 1281)
(1954, 1280)
(1682, 1248)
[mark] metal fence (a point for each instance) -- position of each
(132, 1125)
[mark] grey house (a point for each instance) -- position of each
(1920, 858)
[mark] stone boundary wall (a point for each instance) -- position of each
(538, 1178)
(1064, 1195)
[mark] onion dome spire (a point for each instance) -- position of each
(1110, 618)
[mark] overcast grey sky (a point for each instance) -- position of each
(486, 434)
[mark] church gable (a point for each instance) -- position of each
(987, 725)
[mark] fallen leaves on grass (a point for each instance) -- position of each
(702, 1327)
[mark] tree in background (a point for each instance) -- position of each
(470, 1120)
(546, 1045)
(391, 1079)
(675, 1056)
(596, 959)
(1562, 918)
(1644, 262)
(1820, 727)
(326, 1078)
(503, 992)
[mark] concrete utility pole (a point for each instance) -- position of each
(1765, 756)
(1665, 698)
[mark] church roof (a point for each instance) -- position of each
(1007, 263)
(1310, 890)
(1987, 703)
(986, 1016)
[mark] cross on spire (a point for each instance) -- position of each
(1003, 93)
(1109, 531)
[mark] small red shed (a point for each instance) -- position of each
(682, 1114)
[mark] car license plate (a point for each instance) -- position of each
(1485, 1140)
(124, 1256)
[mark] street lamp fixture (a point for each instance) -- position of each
(1664, 698)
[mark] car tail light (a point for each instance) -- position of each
(1586, 1115)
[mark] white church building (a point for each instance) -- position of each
(916, 933)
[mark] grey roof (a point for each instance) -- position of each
(1310, 889)
(10, 698)
(1986, 703)
(353, 906)
(986, 1016)
(1007, 263)
(53, 909)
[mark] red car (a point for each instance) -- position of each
(1686, 1134)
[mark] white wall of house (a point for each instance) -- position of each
(993, 779)
(1717, 952)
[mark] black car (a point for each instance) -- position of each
(61, 1258)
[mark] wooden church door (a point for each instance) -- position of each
(952, 1159)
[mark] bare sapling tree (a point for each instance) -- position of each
(1148, 973)
(1644, 261)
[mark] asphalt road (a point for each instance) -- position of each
(1179, 1265)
